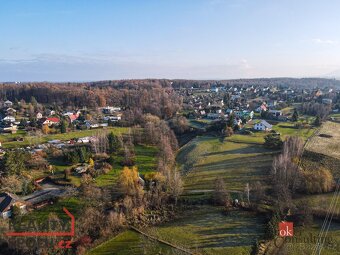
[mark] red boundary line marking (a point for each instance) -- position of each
(71, 233)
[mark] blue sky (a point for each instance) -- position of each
(69, 40)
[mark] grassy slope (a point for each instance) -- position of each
(328, 146)
(238, 163)
(130, 242)
(73, 205)
(322, 151)
(288, 129)
(208, 231)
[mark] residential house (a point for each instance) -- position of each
(10, 111)
(72, 117)
(50, 112)
(110, 109)
(202, 112)
(10, 119)
(327, 101)
(275, 113)
(115, 118)
(90, 124)
(271, 103)
(229, 111)
(51, 121)
(7, 201)
(9, 128)
(263, 126)
(83, 140)
(237, 122)
(8, 103)
(261, 108)
(213, 116)
(39, 115)
(317, 93)
(244, 114)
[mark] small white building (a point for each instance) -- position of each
(263, 126)
(110, 109)
(213, 116)
(275, 113)
(9, 119)
(39, 115)
(8, 103)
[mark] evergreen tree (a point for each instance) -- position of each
(231, 121)
(34, 101)
(273, 225)
(14, 162)
(295, 116)
(63, 126)
(317, 121)
(114, 143)
(273, 141)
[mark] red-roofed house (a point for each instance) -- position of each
(73, 117)
(51, 121)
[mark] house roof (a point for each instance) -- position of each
(73, 117)
(54, 119)
(7, 200)
(266, 124)
(10, 109)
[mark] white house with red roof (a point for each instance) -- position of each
(51, 121)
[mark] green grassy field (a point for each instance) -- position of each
(199, 124)
(204, 230)
(146, 160)
(73, 205)
(206, 158)
(335, 116)
(132, 243)
(284, 128)
(8, 143)
(207, 230)
(319, 201)
(288, 129)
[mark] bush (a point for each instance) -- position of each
(318, 181)
(273, 141)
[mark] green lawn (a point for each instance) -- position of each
(7, 143)
(146, 161)
(73, 205)
(288, 129)
(7, 137)
(256, 138)
(284, 128)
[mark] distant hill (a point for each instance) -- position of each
(281, 82)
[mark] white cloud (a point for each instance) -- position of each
(322, 41)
